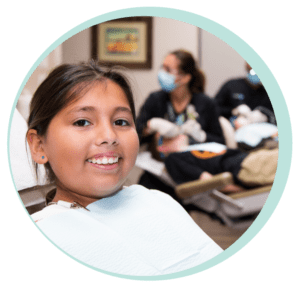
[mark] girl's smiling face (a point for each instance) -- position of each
(92, 144)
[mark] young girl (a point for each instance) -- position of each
(82, 129)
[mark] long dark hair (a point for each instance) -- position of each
(65, 84)
(188, 66)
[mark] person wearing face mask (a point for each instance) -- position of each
(179, 109)
(244, 100)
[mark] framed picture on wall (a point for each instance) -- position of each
(126, 42)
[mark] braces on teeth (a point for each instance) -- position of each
(104, 161)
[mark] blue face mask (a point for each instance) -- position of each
(166, 81)
(253, 78)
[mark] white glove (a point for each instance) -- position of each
(164, 127)
(241, 110)
(192, 128)
(241, 121)
(256, 116)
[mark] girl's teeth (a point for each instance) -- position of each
(104, 161)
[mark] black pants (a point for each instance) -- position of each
(188, 166)
(151, 182)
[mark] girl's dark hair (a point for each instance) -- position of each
(65, 84)
(188, 66)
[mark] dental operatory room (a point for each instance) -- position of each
(143, 146)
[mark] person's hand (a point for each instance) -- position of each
(171, 145)
(256, 116)
(241, 110)
(240, 122)
(164, 127)
(192, 128)
(206, 176)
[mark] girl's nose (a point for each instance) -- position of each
(106, 134)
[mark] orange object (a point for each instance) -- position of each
(206, 154)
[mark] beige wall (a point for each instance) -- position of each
(219, 61)
(168, 35)
(216, 58)
(37, 77)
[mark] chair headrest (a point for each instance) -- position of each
(20, 159)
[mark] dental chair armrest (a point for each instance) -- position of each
(233, 199)
(251, 192)
(189, 189)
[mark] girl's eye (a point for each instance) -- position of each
(121, 122)
(82, 122)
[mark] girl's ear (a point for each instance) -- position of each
(35, 143)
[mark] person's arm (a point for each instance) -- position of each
(150, 120)
(222, 100)
(146, 112)
(212, 125)
(268, 113)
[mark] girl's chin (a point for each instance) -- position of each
(101, 187)
(108, 192)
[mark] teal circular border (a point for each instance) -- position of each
(271, 85)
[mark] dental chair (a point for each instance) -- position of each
(237, 209)
(235, 206)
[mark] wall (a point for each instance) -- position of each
(219, 61)
(216, 58)
(168, 35)
(37, 77)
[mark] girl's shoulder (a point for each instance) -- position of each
(50, 210)
(136, 195)
(153, 196)
(137, 189)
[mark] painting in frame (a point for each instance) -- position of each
(126, 42)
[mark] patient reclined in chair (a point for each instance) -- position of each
(236, 206)
(248, 169)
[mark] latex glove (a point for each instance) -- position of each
(176, 144)
(164, 127)
(241, 121)
(241, 110)
(256, 116)
(192, 128)
(206, 176)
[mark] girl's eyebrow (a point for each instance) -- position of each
(121, 109)
(92, 109)
(84, 108)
